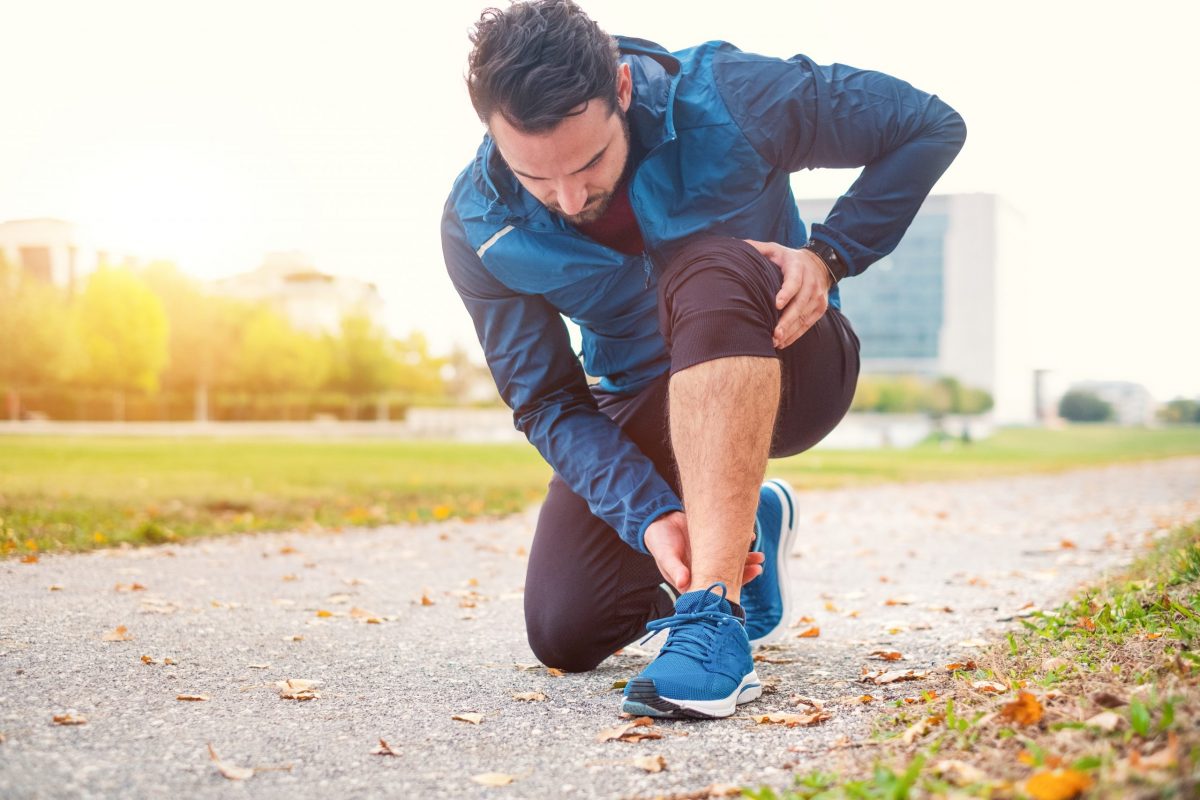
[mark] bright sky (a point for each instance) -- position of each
(213, 132)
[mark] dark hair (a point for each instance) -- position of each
(537, 62)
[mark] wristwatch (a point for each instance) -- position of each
(833, 262)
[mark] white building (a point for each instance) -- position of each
(1132, 403)
(313, 301)
(55, 251)
(950, 300)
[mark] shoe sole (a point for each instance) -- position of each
(788, 502)
(644, 700)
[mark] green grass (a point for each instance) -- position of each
(79, 493)
(1130, 639)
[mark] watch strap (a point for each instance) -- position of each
(833, 262)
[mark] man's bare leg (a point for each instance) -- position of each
(722, 414)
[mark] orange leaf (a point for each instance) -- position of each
(555, 672)
(29, 559)
(1087, 624)
(887, 655)
(425, 601)
(120, 634)
(810, 633)
(1025, 710)
(1058, 784)
(323, 613)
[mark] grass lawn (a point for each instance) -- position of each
(79, 493)
(1098, 698)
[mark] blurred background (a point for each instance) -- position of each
(222, 219)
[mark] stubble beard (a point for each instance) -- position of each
(597, 205)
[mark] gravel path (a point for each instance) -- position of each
(424, 622)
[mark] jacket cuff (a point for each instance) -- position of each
(822, 233)
(640, 543)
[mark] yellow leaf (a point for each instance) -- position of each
(470, 717)
(442, 512)
(810, 633)
(1025, 710)
(323, 613)
(120, 634)
(228, 770)
(30, 559)
(1058, 784)
(655, 763)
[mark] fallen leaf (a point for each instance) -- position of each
(974, 643)
(887, 655)
(627, 731)
(831, 607)
(167, 662)
(960, 773)
(257, 666)
(1051, 664)
(763, 658)
(555, 672)
(621, 684)
(291, 577)
(469, 716)
(120, 634)
(323, 613)
(29, 559)
(791, 720)
(294, 638)
(866, 698)
(68, 719)
(1108, 700)
(918, 729)
(1057, 784)
(905, 600)
(1107, 721)
(810, 633)
(425, 601)
(811, 702)
(492, 779)
(148, 660)
(1067, 544)
(228, 770)
(989, 687)
(296, 689)
(960, 665)
(894, 676)
(287, 550)
(1153, 636)
(56, 587)
(130, 587)
(194, 697)
(1166, 758)
(384, 749)
(655, 763)
(531, 697)
(1025, 710)
(1086, 623)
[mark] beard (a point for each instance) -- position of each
(598, 204)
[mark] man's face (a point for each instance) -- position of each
(574, 168)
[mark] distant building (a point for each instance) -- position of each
(1132, 403)
(313, 301)
(55, 251)
(948, 301)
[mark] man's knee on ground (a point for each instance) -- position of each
(560, 639)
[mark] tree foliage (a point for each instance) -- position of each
(912, 394)
(1082, 406)
(121, 333)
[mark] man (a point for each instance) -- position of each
(645, 195)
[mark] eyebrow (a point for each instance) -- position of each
(586, 166)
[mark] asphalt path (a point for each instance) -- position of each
(405, 627)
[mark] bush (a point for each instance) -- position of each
(1080, 406)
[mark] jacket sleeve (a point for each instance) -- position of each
(529, 354)
(799, 115)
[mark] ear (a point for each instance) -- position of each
(624, 87)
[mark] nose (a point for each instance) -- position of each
(572, 196)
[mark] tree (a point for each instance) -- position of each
(1080, 406)
(33, 327)
(364, 361)
(276, 360)
(1180, 411)
(205, 331)
(121, 336)
(418, 374)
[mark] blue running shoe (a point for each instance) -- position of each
(766, 599)
(704, 669)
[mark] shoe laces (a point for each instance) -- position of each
(693, 633)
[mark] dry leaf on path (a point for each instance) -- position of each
(119, 634)
(425, 601)
(976, 642)
(1057, 784)
(626, 731)
(493, 779)
(555, 672)
(791, 720)
(887, 655)
(810, 633)
(192, 697)
(296, 689)
(763, 658)
(384, 749)
(1025, 710)
(894, 676)
(1108, 700)
(29, 559)
(323, 613)
(530, 697)
(228, 770)
(918, 729)
(905, 600)
(469, 716)
(68, 719)
(960, 773)
(960, 665)
(258, 666)
(804, 620)
(655, 763)
(989, 687)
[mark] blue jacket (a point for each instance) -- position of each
(721, 131)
